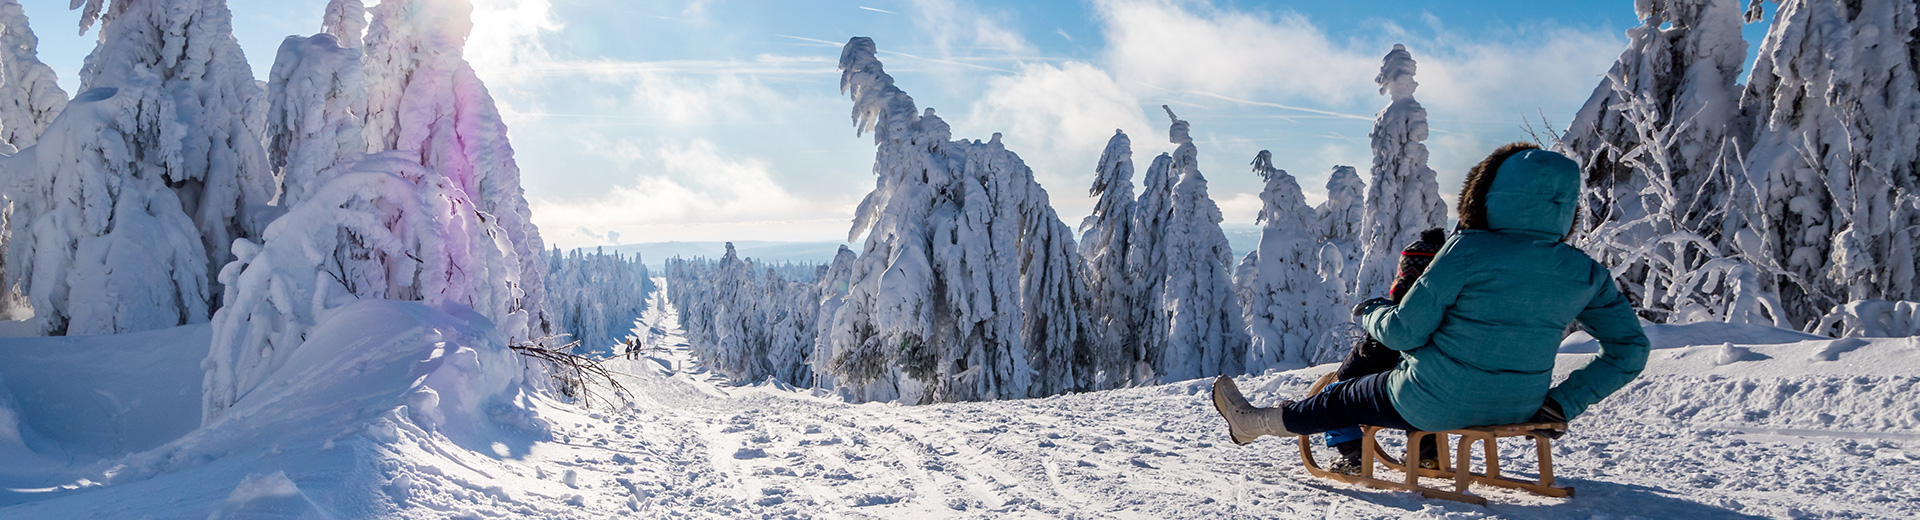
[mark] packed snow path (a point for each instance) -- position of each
(1670, 446)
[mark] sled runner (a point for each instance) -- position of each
(1371, 453)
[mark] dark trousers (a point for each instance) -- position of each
(1350, 403)
(1360, 396)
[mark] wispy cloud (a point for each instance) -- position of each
(877, 10)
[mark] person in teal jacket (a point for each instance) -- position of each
(1478, 332)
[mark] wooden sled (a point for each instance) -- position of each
(1372, 453)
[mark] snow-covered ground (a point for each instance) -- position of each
(1780, 425)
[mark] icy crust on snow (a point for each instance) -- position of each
(386, 391)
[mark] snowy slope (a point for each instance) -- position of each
(1779, 426)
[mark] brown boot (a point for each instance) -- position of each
(1245, 422)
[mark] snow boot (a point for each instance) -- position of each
(1346, 465)
(1245, 422)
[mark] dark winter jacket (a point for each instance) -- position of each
(1480, 330)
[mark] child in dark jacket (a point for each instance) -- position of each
(1370, 357)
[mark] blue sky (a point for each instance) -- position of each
(654, 120)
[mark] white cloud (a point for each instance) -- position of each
(507, 32)
(1059, 118)
(693, 191)
(1195, 46)
(957, 29)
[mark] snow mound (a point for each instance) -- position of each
(1663, 336)
(381, 390)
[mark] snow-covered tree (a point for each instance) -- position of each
(1403, 198)
(388, 228)
(346, 20)
(205, 143)
(958, 235)
(424, 99)
(832, 287)
(1147, 265)
(1205, 334)
(29, 95)
(29, 100)
(100, 244)
(1290, 314)
(1056, 326)
(1836, 111)
(316, 95)
(1663, 189)
(1339, 220)
(1104, 245)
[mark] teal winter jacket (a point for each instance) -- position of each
(1479, 330)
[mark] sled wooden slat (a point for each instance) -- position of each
(1373, 455)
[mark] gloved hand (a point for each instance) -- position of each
(1549, 412)
(1365, 306)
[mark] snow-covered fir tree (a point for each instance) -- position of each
(1056, 327)
(1836, 111)
(1290, 314)
(832, 287)
(1147, 265)
(1104, 245)
(958, 235)
(99, 243)
(1339, 219)
(29, 95)
(29, 100)
(595, 296)
(316, 96)
(1403, 198)
(1205, 334)
(346, 20)
(423, 98)
(1663, 189)
(206, 144)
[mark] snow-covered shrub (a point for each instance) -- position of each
(1291, 315)
(316, 95)
(205, 140)
(1205, 334)
(424, 99)
(958, 234)
(595, 296)
(1835, 108)
(1104, 245)
(1403, 198)
(1872, 319)
(100, 244)
(389, 228)
(1665, 206)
